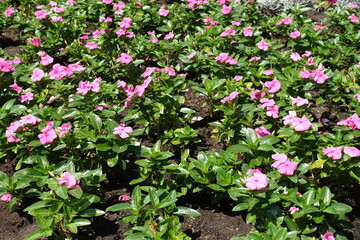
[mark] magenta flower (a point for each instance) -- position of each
(319, 76)
(262, 45)
(41, 14)
(228, 32)
(272, 111)
(6, 197)
(232, 96)
(352, 151)
(124, 198)
(69, 180)
(328, 236)
(257, 94)
(124, 58)
(305, 74)
(163, 12)
(298, 101)
(126, 23)
(123, 131)
(267, 102)
(37, 75)
(288, 119)
(91, 45)
(292, 210)
(47, 136)
(16, 88)
(248, 32)
(238, 78)
(58, 72)
(273, 86)
(353, 122)
(279, 159)
(256, 182)
(301, 124)
(287, 168)
(170, 71)
(35, 41)
(306, 54)
(352, 6)
(107, 1)
(353, 18)
(191, 55)
(64, 128)
(333, 152)
(154, 40)
(169, 36)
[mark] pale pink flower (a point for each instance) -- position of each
(235, 23)
(279, 159)
(168, 36)
(124, 198)
(263, 45)
(310, 62)
(124, 58)
(352, 151)
(287, 168)
(16, 61)
(58, 72)
(353, 18)
(301, 124)
(5, 66)
(305, 74)
(272, 111)
(306, 54)
(285, 21)
(318, 26)
(319, 76)
(106, 19)
(29, 119)
(238, 78)
(84, 87)
(298, 101)
(257, 94)
(295, 34)
(292, 210)
(154, 40)
(122, 131)
(267, 102)
(357, 96)
(224, 58)
(226, 10)
(256, 170)
(107, 1)
(232, 96)
(8, 12)
(26, 97)
(261, 132)
(333, 152)
(353, 122)
(16, 88)
(77, 67)
(64, 128)
(352, 6)
(41, 14)
(6, 197)
(52, 3)
(268, 72)
(57, 19)
(191, 55)
(163, 12)
(57, 9)
(256, 182)
(35, 41)
(254, 59)
(126, 23)
(69, 180)
(97, 33)
(70, 2)
(273, 86)
(91, 45)
(328, 236)
(37, 75)
(95, 85)
(228, 32)
(47, 136)
(248, 32)
(295, 56)
(170, 71)
(288, 119)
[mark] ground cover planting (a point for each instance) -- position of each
(145, 120)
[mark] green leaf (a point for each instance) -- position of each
(111, 162)
(39, 204)
(325, 195)
(103, 147)
(91, 212)
(81, 222)
(38, 234)
(72, 228)
(76, 192)
(95, 121)
(118, 207)
(61, 191)
(185, 211)
(169, 200)
(76, 103)
(240, 148)
(338, 208)
(269, 139)
(317, 163)
(291, 224)
(241, 207)
(309, 196)
(265, 148)
(250, 135)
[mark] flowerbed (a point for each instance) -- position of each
(100, 87)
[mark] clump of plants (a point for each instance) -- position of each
(95, 80)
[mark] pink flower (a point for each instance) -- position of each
(306, 54)
(318, 26)
(29, 119)
(298, 101)
(301, 124)
(163, 12)
(248, 32)
(124, 58)
(287, 168)
(238, 78)
(228, 32)
(77, 67)
(268, 72)
(319, 76)
(8, 12)
(5, 66)
(256, 170)
(91, 45)
(124, 198)
(235, 23)
(295, 56)
(295, 34)
(232, 96)
(126, 23)
(70, 2)
(35, 41)
(69, 180)
(64, 128)
(353, 122)
(57, 19)
(352, 6)
(26, 97)
(154, 40)
(191, 55)
(6, 197)
(41, 14)
(58, 72)
(225, 9)
(256, 182)
(328, 236)
(261, 132)
(353, 18)
(224, 58)
(273, 86)
(285, 21)
(262, 45)
(257, 94)
(333, 152)
(352, 151)
(47, 136)
(272, 111)
(123, 131)
(288, 119)
(305, 74)
(254, 59)
(168, 36)
(267, 102)
(292, 210)
(16, 88)
(170, 71)
(357, 96)
(37, 75)
(107, 1)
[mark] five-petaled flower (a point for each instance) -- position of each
(123, 131)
